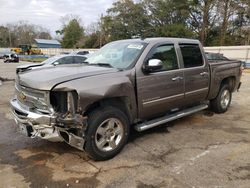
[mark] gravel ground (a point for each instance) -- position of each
(202, 150)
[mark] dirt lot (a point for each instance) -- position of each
(202, 150)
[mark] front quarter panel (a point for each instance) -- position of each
(95, 88)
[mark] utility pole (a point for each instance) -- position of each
(10, 42)
(100, 35)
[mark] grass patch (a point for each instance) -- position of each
(35, 60)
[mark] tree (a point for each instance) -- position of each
(73, 32)
(213, 22)
(125, 19)
(92, 40)
(168, 17)
(236, 29)
(24, 32)
(5, 40)
(227, 8)
(203, 17)
(149, 18)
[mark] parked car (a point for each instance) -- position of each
(127, 84)
(8, 58)
(4, 52)
(53, 61)
(80, 52)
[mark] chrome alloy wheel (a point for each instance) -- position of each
(225, 99)
(109, 134)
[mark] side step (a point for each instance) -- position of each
(155, 122)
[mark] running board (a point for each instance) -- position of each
(155, 122)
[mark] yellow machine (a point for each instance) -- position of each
(26, 49)
(16, 50)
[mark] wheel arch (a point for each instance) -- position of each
(217, 84)
(122, 103)
(230, 81)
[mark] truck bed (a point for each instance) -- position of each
(221, 70)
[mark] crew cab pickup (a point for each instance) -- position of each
(135, 83)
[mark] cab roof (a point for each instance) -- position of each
(164, 39)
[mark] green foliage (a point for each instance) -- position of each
(213, 22)
(175, 30)
(4, 37)
(21, 32)
(125, 19)
(73, 32)
(92, 41)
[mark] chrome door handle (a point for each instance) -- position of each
(177, 78)
(204, 73)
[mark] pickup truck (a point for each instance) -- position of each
(134, 83)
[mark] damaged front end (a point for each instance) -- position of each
(71, 125)
(52, 116)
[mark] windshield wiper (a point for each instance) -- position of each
(102, 64)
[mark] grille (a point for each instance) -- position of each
(31, 98)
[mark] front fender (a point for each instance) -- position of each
(95, 88)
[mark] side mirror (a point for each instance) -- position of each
(56, 63)
(153, 65)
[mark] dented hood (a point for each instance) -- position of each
(46, 79)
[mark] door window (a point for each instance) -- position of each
(167, 54)
(79, 59)
(65, 60)
(191, 54)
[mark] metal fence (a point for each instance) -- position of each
(56, 51)
(233, 52)
(51, 51)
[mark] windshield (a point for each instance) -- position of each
(120, 54)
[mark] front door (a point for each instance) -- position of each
(163, 90)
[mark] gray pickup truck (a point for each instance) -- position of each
(137, 83)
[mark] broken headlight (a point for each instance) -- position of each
(64, 101)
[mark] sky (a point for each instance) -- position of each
(47, 13)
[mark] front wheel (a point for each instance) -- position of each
(223, 100)
(107, 133)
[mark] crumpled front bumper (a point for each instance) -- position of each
(34, 124)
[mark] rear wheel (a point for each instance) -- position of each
(107, 133)
(223, 100)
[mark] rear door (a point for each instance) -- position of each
(79, 59)
(161, 91)
(196, 73)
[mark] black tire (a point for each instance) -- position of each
(96, 119)
(217, 104)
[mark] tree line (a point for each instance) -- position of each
(213, 22)
(21, 32)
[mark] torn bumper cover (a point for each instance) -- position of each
(34, 124)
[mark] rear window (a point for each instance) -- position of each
(191, 54)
